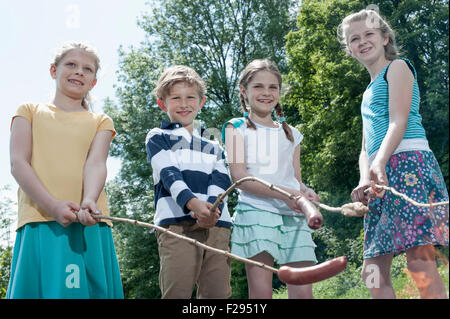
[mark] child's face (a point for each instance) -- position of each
(182, 104)
(75, 74)
(262, 92)
(364, 43)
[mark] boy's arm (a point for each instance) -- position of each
(219, 180)
(166, 169)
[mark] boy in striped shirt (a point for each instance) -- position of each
(188, 173)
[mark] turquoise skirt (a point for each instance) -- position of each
(286, 238)
(55, 262)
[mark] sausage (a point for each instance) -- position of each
(308, 275)
(312, 214)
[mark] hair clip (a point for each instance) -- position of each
(282, 119)
(245, 114)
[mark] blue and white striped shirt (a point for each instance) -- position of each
(375, 115)
(185, 166)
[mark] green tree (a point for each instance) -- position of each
(5, 269)
(217, 39)
(422, 31)
(326, 85)
(6, 219)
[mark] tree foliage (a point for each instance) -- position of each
(325, 92)
(217, 39)
(326, 85)
(7, 209)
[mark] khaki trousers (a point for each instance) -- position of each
(184, 265)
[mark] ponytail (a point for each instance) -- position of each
(286, 128)
(249, 122)
(87, 101)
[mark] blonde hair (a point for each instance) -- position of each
(74, 45)
(247, 76)
(373, 19)
(176, 74)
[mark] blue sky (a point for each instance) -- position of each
(30, 33)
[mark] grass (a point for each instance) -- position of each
(348, 284)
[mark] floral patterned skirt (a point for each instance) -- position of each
(394, 225)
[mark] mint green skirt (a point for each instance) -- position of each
(55, 262)
(286, 238)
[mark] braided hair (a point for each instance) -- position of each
(247, 75)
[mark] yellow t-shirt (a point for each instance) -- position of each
(61, 142)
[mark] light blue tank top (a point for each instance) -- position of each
(375, 114)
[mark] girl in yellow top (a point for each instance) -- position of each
(58, 158)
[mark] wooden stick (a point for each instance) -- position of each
(220, 197)
(347, 209)
(227, 192)
(412, 201)
(192, 241)
(323, 206)
(288, 274)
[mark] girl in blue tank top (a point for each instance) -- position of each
(395, 152)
